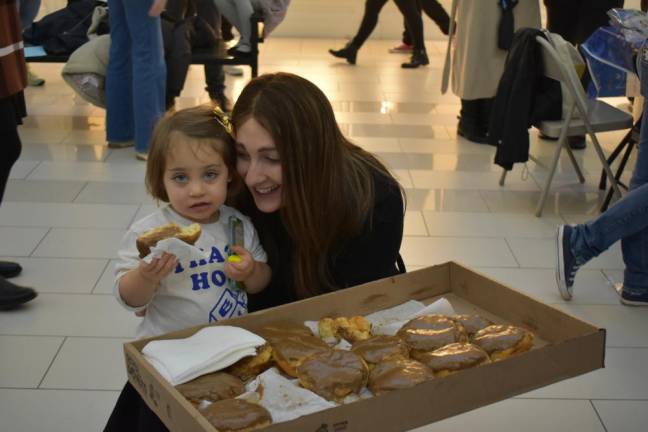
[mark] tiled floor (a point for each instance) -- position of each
(70, 199)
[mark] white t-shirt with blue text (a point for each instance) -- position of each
(197, 292)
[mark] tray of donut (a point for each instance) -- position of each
(390, 355)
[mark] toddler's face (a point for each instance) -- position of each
(257, 161)
(195, 179)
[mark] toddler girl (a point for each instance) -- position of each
(190, 167)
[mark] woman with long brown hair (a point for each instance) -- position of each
(329, 214)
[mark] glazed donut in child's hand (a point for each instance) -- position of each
(148, 239)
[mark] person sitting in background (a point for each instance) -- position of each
(239, 13)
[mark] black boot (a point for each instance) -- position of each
(419, 58)
(470, 125)
(9, 269)
(12, 295)
(349, 53)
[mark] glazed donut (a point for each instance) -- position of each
(211, 387)
(148, 239)
(333, 374)
(290, 352)
(471, 323)
(230, 415)
(429, 332)
(282, 330)
(351, 329)
(397, 374)
(502, 341)
(380, 348)
(453, 358)
(250, 367)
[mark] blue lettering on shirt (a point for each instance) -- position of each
(231, 303)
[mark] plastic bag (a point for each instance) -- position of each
(609, 60)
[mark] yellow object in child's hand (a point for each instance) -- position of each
(234, 259)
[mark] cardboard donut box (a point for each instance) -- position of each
(564, 347)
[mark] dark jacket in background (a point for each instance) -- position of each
(576, 20)
(63, 31)
(524, 97)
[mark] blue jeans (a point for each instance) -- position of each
(28, 9)
(136, 74)
(627, 220)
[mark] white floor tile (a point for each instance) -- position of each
(17, 241)
(68, 215)
(489, 224)
(70, 315)
(106, 282)
(447, 200)
(467, 180)
(425, 251)
(623, 416)
(515, 415)
(624, 324)
(80, 243)
(57, 152)
(57, 275)
(59, 410)
(88, 171)
(590, 286)
(88, 364)
(113, 193)
(624, 377)
(414, 224)
(542, 253)
(42, 191)
(22, 168)
(25, 359)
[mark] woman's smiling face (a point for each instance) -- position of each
(258, 163)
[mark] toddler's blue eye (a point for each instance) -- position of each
(180, 178)
(211, 175)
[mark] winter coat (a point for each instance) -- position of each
(476, 63)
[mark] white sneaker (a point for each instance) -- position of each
(233, 70)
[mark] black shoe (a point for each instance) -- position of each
(419, 58)
(234, 52)
(471, 132)
(576, 142)
(349, 53)
(546, 137)
(12, 295)
(9, 269)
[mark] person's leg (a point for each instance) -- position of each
(28, 9)
(369, 20)
(435, 11)
(120, 127)
(244, 10)
(214, 75)
(472, 125)
(149, 71)
(412, 15)
(635, 246)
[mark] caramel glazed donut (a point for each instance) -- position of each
(503, 341)
(397, 373)
(212, 387)
(380, 348)
(333, 374)
(429, 332)
(231, 415)
(453, 358)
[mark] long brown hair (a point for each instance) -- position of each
(327, 182)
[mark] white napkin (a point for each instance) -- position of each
(208, 350)
(389, 321)
(284, 399)
(182, 250)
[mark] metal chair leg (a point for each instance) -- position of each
(579, 173)
(502, 177)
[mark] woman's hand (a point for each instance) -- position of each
(158, 268)
(157, 7)
(242, 269)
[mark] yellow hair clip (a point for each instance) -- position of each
(223, 119)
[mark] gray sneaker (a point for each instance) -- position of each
(566, 266)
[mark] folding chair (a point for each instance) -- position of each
(595, 116)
